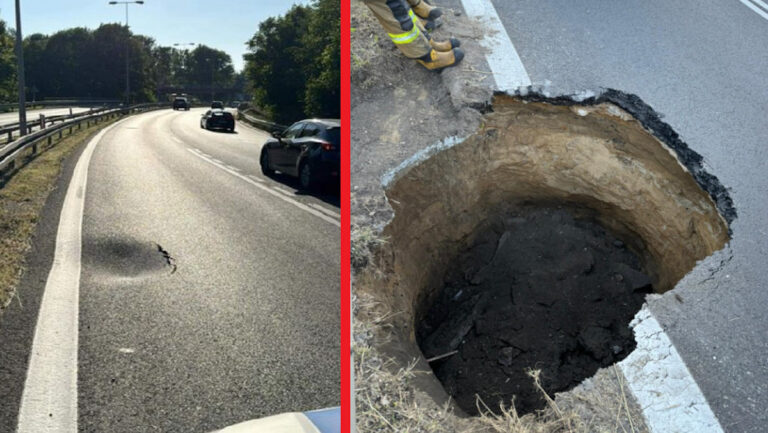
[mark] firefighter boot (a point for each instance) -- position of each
(430, 15)
(445, 46)
(426, 11)
(437, 60)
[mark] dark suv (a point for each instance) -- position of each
(309, 150)
(180, 103)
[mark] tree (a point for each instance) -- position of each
(293, 63)
(322, 42)
(7, 65)
(34, 55)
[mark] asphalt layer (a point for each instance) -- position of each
(204, 301)
(703, 68)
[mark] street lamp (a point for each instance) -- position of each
(20, 73)
(127, 48)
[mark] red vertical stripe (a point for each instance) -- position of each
(346, 315)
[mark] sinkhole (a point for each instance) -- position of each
(532, 243)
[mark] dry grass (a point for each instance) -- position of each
(387, 401)
(22, 196)
(365, 240)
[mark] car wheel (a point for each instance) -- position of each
(264, 161)
(306, 177)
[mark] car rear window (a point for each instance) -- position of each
(333, 135)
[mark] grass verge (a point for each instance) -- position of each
(23, 193)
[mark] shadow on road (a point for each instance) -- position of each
(327, 193)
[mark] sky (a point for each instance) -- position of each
(225, 25)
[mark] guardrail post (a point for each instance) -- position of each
(42, 121)
(70, 111)
(49, 140)
(10, 136)
(59, 134)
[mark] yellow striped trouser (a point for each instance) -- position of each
(402, 26)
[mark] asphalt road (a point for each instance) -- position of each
(247, 325)
(702, 64)
(13, 117)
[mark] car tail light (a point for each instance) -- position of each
(327, 146)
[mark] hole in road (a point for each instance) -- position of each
(540, 287)
(128, 258)
(532, 243)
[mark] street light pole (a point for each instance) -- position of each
(20, 73)
(127, 49)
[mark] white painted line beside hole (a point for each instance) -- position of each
(49, 398)
(270, 191)
(664, 388)
(755, 8)
(508, 70)
(761, 3)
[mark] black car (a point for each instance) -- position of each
(217, 104)
(309, 150)
(218, 119)
(180, 103)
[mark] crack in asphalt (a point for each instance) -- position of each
(167, 256)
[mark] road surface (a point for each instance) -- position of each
(236, 318)
(703, 65)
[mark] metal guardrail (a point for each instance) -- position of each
(261, 123)
(60, 103)
(10, 153)
(7, 131)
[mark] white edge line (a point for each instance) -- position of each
(757, 10)
(761, 3)
(287, 192)
(49, 398)
(271, 191)
(327, 211)
(670, 399)
(508, 70)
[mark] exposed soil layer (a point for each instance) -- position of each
(538, 289)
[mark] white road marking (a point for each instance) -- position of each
(755, 8)
(250, 176)
(505, 63)
(324, 209)
(49, 399)
(176, 139)
(664, 388)
(126, 350)
(287, 192)
(298, 204)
